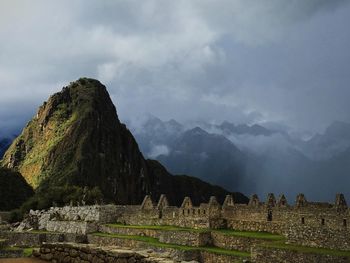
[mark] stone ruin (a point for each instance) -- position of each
(326, 224)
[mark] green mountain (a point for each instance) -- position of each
(76, 139)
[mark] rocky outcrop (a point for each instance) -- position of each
(77, 139)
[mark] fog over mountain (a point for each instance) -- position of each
(252, 158)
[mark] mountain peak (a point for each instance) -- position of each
(196, 132)
(77, 139)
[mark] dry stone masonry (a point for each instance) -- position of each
(308, 224)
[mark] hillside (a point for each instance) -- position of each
(77, 139)
(13, 190)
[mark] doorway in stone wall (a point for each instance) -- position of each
(269, 215)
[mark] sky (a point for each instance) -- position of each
(236, 60)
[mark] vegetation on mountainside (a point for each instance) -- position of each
(76, 141)
(13, 190)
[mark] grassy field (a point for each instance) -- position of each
(155, 242)
(164, 228)
(229, 232)
(249, 234)
(272, 240)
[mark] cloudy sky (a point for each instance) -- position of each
(243, 61)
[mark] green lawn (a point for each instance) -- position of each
(27, 252)
(229, 232)
(163, 227)
(257, 235)
(155, 242)
(303, 249)
(272, 240)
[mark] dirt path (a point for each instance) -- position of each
(21, 260)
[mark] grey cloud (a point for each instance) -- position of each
(214, 60)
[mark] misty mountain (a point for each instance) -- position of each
(335, 140)
(155, 136)
(230, 128)
(211, 157)
(256, 158)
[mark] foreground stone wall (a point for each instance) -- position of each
(28, 239)
(318, 237)
(68, 252)
(269, 255)
(87, 254)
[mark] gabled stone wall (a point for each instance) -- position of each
(328, 222)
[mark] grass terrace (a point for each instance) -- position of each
(162, 227)
(229, 232)
(273, 241)
(250, 234)
(156, 243)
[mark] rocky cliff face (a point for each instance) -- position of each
(76, 138)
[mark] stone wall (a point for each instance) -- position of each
(75, 227)
(327, 222)
(234, 242)
(87, 254)
(318, 237)
(269, 255)
(189, 238)
(186, 238)
(28, 239)
(206, 257)
(130, 231)
(257, 226)
(194, 217)
(131, 243)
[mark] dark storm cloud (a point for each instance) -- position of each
(213, 60)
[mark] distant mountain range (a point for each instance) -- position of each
(249, 158)
(252, 157)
